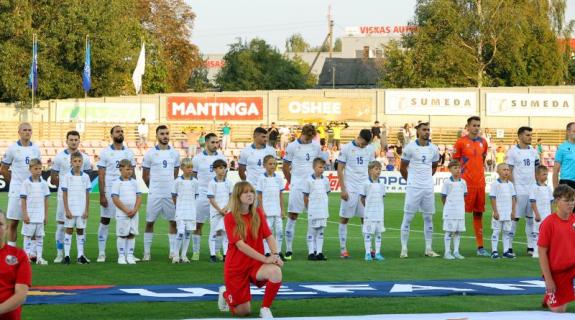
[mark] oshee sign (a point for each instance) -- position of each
(339, 109)
(530, 104)
(446, 103)
(218, 108)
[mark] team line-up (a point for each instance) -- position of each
(201, 194)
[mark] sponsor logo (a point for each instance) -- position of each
(11, 260)
(215, 108)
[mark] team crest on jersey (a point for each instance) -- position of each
(481, 144)
(11, 260)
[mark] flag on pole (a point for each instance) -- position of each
(33, 76)
(86, 75)
(139, 71)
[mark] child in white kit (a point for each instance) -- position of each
(184, 195)
(503, 200)
(315, 191)
(453, 195)
(270, 187)
(372, 197)
(541, 198)
(75, 187)
(219, 191)
(34, 194)
(127, 198)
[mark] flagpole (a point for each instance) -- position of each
(85, 92)
(33, 82)
(141, 89)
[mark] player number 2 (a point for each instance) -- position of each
(423, 159)
(117, 163)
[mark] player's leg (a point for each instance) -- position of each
(310, 240)
(459, 228)
(278, 230)
(80, 243)
(39, 235)
(153, 208)
(295, 207)
(348, 209)
(219, 244)
(507, 236)
(68, 241)
(496, 226)
(319, 236)
(13, 217)
(273, 275)
(169, 212)
(202, 216)
(60, 230)
(178, 242)
(447, 243)
(186, 244)
(270, 221)
(106, 214)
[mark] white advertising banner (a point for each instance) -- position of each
(530, 104)
(448, 103)
(115, 112)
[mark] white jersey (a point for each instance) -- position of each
(127, 191)
(374, 192)
(503, 193)
(542, 196)
(454, 193)
(270, 187)
(253, 159)
(317, 190)
(62, 165)
(76, 186)
(523, 162)
(18, 158)
(356, 160)
(203, 167)
(220, 191)
(186, 191)
(421, 160)
(110, 161)
(35, 192)
(300, 156)
(161, 164)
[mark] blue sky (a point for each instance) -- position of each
(220, 22)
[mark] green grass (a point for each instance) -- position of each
(160, 271)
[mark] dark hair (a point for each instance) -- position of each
(453, 163)
(125, 163)
(210, 135)
(523, 129)
(365, 134)
(219, 163)
(569, 125)
(474, 118)
(73, 133)
(564, 191)
(114, 127)
(75, 155)
(308, 130)
(421, 124)
(541, 168)
(317, 161)
(260, 130)
(161, 127)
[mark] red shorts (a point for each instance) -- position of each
(475, 199)
(564, 292)
(238, 285)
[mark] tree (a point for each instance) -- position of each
(475, 43)
(337, 45)
(258, 66)
(296, 43)
(563, 29)
(199, 81)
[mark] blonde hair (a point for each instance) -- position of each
(125, 163)
(187, 163)
(374, 164)
(236, 211)
(34, 162)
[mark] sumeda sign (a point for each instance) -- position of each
(430, 102)
(215, 108)
(530, 104)
(340, 109)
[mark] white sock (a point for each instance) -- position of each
(218, 243)
(319, 239)
(121, 244)
(68, 244)
(186, 244)
(39, 246)
(130, 245)
(102, 238)
(27, 245)
(428, 230)
(60, 238)
(148, 239)
(212, 243)
(290, 234)
(178, 244)
(507, 236)
(405, 226)
(510, 235)
(310, 239)
(342, 232)
(378, 243)
(367, 242)
(494, 240)
(33, 248)
(456, 240)
(529, 224)
(225, 243)
(11, 243)
(447, 241)
(171, 239)
(80, 239)
(279, 234)
(196, 240)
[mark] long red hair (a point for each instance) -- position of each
(236, 211)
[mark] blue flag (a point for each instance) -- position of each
(86, 75)
(33, 76)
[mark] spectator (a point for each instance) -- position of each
(376, 143)
(321, 131)
(273, 134)
(500, 155)
(405, 135)
(202, 139)
(234, 166)
(284, 137)
(490, 160)
(564, 166)
(337, 127)
(487, 136)
(539, 148)
(226, 131)
(376, 129)
(80, 127)
(192, 140)
(142, 133)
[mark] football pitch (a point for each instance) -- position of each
(161, 271)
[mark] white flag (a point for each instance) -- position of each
(139, 71)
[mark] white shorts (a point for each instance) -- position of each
(352, 207)
(75, 222)
(110, 211)
(202, 209)
(126, 226)
(33, 229)
(216, 223)
(165, 206)
(523, 206)
(295, 201)
(185, 225)
(275, 224)
(14, 210)
(317, 223)
(372, 227)
(419, 199)
(60, 211)
(498, 225)
(454, 225)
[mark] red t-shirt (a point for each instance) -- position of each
(470, 153)
(237, 261)
(14, 269)
(558, 236)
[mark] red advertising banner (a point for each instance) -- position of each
(215, 108)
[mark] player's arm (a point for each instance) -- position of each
(214, 204)
(403, 165)
(66, 206)
(362, 199)
(545, 269)
(341, 178)
(118, 203)
(16, 300)
(242, 171)
(55, 178)
(250, 252)
(494, 206)
(260, 199)
(87, 209)
(176, 171)
(556, 171)
(45, 210)
(102, 186)
(282, 204)
(146, 176)
(513, 205)
(271, 240)
(306, 200)
(4, 170)
(286, 166)
(433, 167)
(138, 204)
(535, 210)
